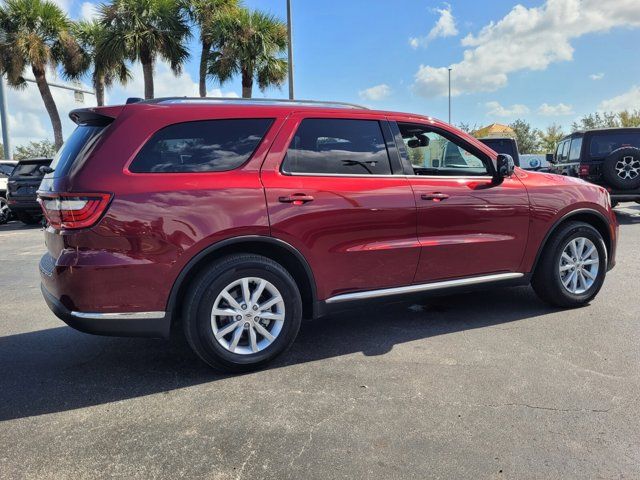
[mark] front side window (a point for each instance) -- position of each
(576, 147)
(202, 146)
(338, 146)
(563, 153)
(431, 153)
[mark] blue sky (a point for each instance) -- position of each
(544, 61)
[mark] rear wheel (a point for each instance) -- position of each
(242, 312)
(5, 213)
(572, 267)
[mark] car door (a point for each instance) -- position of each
(468, 224)
(336, 192)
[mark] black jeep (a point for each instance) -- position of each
(609, 157)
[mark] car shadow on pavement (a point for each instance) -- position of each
(59, 369)
(15, 226)
(628, 215)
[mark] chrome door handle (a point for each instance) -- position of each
(434, 196)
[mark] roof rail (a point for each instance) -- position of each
(249, 101)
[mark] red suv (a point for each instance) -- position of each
(233, 220)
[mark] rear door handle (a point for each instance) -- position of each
(436, 196)
(296, 199)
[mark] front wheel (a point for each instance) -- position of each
(572, 267)
(242, 312)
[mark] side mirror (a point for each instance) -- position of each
(435, 163)
(505, 165)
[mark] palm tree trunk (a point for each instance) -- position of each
(49, 104)
(98, 85)
(147, 71)
(247, 84)
(204, 58)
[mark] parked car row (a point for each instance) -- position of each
(19, 182)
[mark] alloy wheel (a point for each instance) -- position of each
(578, 265)
(628, 167)
(247, 315)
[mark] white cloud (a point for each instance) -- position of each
(375, 93)
(629, 100)
(63, 4)
(444, 27)
(555, 110)
(497, 110)
(88, 11)
(596, 76)
(525, 39)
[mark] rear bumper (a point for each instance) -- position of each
(24, 204)
(133, 324)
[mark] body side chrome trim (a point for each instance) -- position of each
(118, 315)
(424, 287)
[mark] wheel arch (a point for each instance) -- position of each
(273, 248)
(587, 215)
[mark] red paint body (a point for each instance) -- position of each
(358, 233)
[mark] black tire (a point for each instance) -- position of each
(200, 299)
(546, 278)
(29, 219)
(614, 204)
(5, 213)
(625, 157)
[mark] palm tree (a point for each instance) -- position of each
(205, 13)
(142, 30)
(249, 43)
(89, 35)
(36, 34)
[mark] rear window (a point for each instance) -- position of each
(338, 146)
(602, 144)
(203, 146)
(6, 169)
(75, 148)
(501, 145)
(29, 170)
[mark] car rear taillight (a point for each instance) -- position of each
(584, 171)
(73, 210)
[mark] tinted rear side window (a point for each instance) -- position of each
(602, 144)
(576, 147)
(203, 146)
(76, 146)
(338, 146)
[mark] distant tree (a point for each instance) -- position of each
(528, 138)
(249, 43)
(43, 148)
(468, 128)
(597, 120)
(142, 30)
(629, 118)
(550, 137)
(205, 14)
(36, 35)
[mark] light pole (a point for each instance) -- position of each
(5, 122)
(449, 95)
(290, 49)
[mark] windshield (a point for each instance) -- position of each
(76, 147)
(6, 168)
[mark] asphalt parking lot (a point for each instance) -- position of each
(484, 385)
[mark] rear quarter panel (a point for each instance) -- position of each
(156, 222)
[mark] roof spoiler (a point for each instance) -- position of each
(96, 116)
